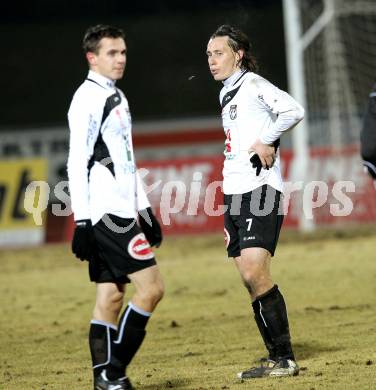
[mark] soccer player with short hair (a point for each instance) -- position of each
(255, 114)
(108, 199)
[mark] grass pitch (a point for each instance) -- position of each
(202, 333)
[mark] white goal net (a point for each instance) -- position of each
(331, 58)
(339, 54)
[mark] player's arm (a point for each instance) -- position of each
(81, 123)
(148, 222)
(285, 112)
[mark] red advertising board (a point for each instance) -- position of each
(187, 196)
(185, 192)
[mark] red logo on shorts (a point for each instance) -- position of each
(139, 248)
(226, 237)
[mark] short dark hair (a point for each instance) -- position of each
(94, 34)
(237, 40)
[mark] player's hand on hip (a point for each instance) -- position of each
(266, 153)
(83, 243)
(150, 226)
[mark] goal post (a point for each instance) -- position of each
(331, 65)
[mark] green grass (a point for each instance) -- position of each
(202, 332)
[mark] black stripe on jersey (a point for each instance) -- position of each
(93, 81)
(102, 155)
(229, 96)
(111, 102)
(240, 77)
(101, 152)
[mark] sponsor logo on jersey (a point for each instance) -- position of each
(233, 112)
(139, 248)
(261, 98)
(228, 141)
(226, 237)
(249, 238)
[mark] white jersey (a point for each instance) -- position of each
(101, 167)
(253, 108)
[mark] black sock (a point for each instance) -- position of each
(264, 331)
(273, 312)
(131, 332)
(100, 336)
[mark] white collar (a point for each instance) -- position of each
(101, 80)
(231, 80)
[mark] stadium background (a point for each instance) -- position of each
(177, 131)
(202, 333)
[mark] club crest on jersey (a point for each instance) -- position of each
(233, 112)
(139, 248)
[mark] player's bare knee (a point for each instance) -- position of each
(156, 292)
(111, 303)
(152, 295)
(250, 276)
(249, 287)
(116, 300)
(160, 292)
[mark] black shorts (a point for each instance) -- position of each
(253, 220)
(121, 250)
